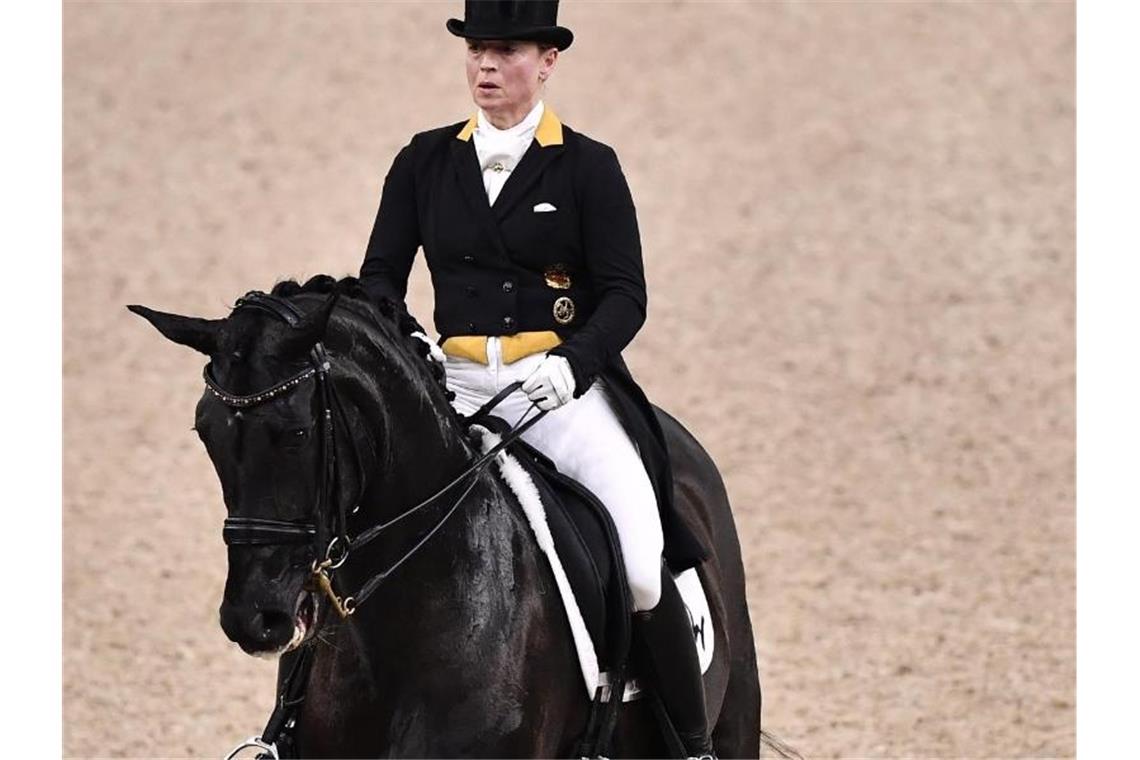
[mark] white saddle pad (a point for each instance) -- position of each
(688, 582)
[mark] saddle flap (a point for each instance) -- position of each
(586, 542)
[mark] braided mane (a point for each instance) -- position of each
(393, 312)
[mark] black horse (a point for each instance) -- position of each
(463, 649)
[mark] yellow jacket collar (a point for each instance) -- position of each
(548, 131)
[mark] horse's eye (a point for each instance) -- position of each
(293, 438)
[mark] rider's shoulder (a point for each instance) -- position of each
(436, 138)
(440, 134)
(594, 159)
(588, 146)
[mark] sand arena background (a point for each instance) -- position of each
(858, 225)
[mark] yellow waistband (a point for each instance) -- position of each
(514, 347)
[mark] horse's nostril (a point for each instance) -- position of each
(256, 630)
(271, 626)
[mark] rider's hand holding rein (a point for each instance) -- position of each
(551, 384)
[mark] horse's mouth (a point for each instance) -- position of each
(304, 626)
(304, 619)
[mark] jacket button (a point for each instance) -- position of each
(472, 291)
(469, 259)
(470, 328)
(508, 286)
(508, 322)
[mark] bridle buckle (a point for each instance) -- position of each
(343, 607)
(331, 563)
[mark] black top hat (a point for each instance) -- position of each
(531, 20)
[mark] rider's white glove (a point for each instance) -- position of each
(433, 348)
(552, 384)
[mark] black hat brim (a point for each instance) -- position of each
(559, 36)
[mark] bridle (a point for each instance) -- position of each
(326, 530)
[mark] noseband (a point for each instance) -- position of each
(328, 527)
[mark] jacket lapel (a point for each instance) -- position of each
(530, 167)
(466, 166)
(544, 148)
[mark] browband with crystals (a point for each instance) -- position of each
(260, 396)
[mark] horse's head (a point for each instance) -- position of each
(261, 419)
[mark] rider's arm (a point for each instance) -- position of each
(395, 234)
(612, 248)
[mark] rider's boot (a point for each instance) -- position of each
(668, 635)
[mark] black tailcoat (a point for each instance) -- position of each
(492, 265)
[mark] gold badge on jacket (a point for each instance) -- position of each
(557, 277)
(563, 310)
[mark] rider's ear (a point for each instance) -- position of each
(199, 334)
(310, 329)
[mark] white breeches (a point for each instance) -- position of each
(586, 441)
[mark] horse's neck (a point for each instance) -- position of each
(440, 657)
(412, 437)
(420, 453)
(451, 624)
(461, 628)
(468, 576)
(469, 572)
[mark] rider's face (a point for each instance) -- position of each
(506, 77)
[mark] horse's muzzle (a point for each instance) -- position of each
(258, 630)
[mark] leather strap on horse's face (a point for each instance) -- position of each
(329, 515)
(278, 307)
(258, 531)
(329, 527)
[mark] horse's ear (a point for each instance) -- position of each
(311, 328)
(199, 334)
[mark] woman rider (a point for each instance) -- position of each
(531, 238)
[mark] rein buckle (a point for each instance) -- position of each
(343, 607)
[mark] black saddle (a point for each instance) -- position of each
(587, 543)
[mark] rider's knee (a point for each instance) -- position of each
(643, 566)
